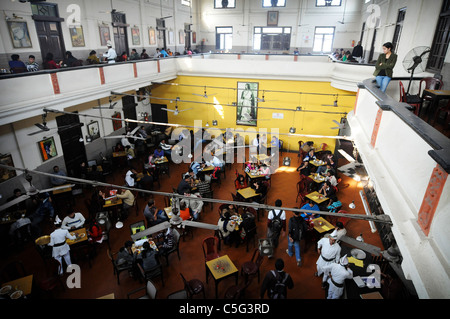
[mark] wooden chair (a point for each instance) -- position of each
(210, 250)
(300, 153)
(154, 272)
(175, 248)
(413, 100)
(252, 266)
(150, 291)
(237, 291)
(302, 189)
(343, 220)
(429, 83)
(117, 269)
(52, 279)
(193, 287)
(445, 110)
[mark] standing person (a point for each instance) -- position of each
(276, 282)
(276, 223)
(358, 52)
(111, 54)
(337, 273)
(296, 230)
(384, 66)
(32, 65)
(44, 207)
(60, 248)
(329, 252)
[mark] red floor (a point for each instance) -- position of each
(99, 280)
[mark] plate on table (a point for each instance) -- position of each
(16, 294)
(5, 290)
(358, 254)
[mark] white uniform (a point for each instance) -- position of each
(60, 248)
(110, 55)
(338, 275)
(329, 254)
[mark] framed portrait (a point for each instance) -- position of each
(272, 18)
(135, 36)
(93, 130)
(47, 148)
(105, 35)
(194, 37)
(247, 103)
(19, 34)
(117, 124)
(77, 36)
(6, 174)
(151, 36)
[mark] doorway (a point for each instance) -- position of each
(129, 110)
(120, 33)
(159, 115)
(160, 33)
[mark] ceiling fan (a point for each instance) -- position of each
(176, 111)
(175, 221)
(44, 128)
(112, 11)
(340, 126)
(263, 99)
(343, 15)
(204, 94)
(130, 135)
(111, 105)
(335, 103)
(32, 190)
(160, 6)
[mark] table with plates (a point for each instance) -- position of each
(80, 234)
(18, 287)
(168, 211)
(221, 268)
(113, 205)
(321, 225)
(162, 165)
(255, 175)
(317, 197)
(317, 178)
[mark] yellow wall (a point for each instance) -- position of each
(224, 90)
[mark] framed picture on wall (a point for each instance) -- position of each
(171, 41)
(105, 35)
(6, 174)
(135, 36)
(19, 34)
(93, 130)
(247, 104)
(272, 18)
(117, 124)
(47, 148)
(181, 33)
(77, 36)
(194, 37)
(151, 36)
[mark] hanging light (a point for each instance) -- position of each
(352, 205)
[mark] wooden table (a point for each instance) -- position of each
(436, 96)
(316, 197)
(113, 204)
(252, 176)
(317, 163)
(168, 211)
(25, 284)
(317, 178)
(247, 193)
(221, 268)
(108, 296)
(62, 190)
(321, 225)
(81, 236)
(119, 154)
(162, 165)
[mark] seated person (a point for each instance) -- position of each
(265, 170)
(304, 168)
(70, 60)
(330, 176)
(167, 148)
(147, 179)
(185, 185)
(159, 153)
(340, 230)
(240, 182)
(306, 147)
(185, 211)
(95, 232)
(32, 65)
(195, 205)
(125, 255)
(260, 189)
(21, 221)
(328, 190)
(147, 258)
(16, 65)
(310, 205)
(227, 228)
(57, 181)
(152, 215)
(97, 202)
(322, 170)
(334, 206)
(127, 198)
(119, 147)
(168, 241)
(125, 142)
(19, 206)
(130, 152)
(203, 187)
(73, 220)
(134, 55)
(130, 177)
(310, 156)
(92, 58)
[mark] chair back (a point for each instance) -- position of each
(402, 92)
(343, 220)
(137, 227)
(151, 290)
(210, 250)
(430, 83)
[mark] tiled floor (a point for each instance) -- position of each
(99, 280)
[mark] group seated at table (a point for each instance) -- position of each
(229, 225)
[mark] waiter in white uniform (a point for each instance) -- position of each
(60, 248)
(337, 273)
(111, 54)
(329, 252)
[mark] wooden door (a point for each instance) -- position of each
(129, 110)
(50, 39)
(120, 40)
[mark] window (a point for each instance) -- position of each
(44, 9)
(272, 38)
(224, 38)
(273, 3)
(441, 40)
(224, 4)
(186, 3)
(328, 3)
(323, 39)
(398, 28)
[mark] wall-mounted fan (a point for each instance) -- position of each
(204, 94)
(416, 59)
(174, 221)
(44, 128)
(31, 191)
